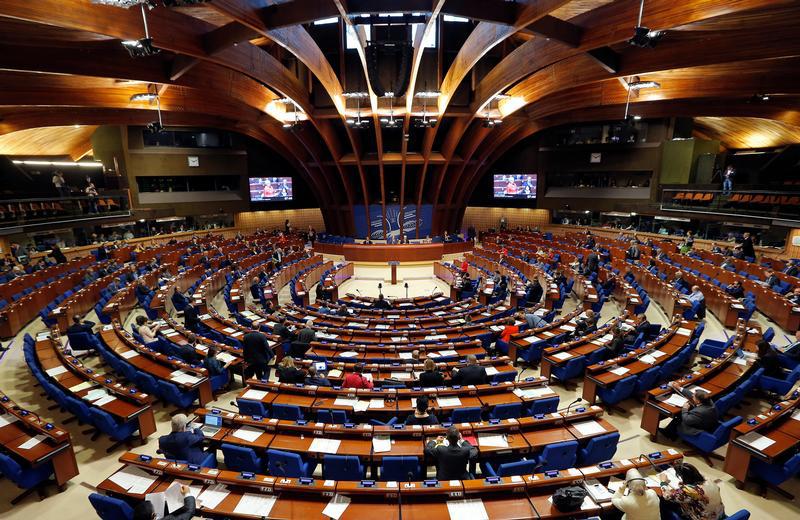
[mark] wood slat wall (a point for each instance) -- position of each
(300, 219)
(485, 218)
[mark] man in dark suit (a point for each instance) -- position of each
(256, 353)
(144, 510)
(698, 415)
(772, 279)
(633, 252)
(190, 318)
(179, 301)
(304, 338)
(472, 374)
(183, 444)
(792, 269)
(735, 290)
(534, 291)
(79, 326)
(591, 264)
(747, 246)
(382, 303)
(452, 455)
(283, 331)
(794, 296)
(256, 291)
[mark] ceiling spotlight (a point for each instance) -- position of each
(638, 85)
(637, 118)
(390, 122)
(643, 36)
(761, 97)
(144, 96)
(488, 122)
(425, 122)
(140, 48)
(427, 94)
(355, 95)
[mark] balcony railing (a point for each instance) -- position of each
(33, 212)
(757, 204)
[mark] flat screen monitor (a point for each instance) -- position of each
(514, 186)
(269, 189)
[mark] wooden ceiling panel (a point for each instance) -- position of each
(578, 7)
(58, 141)
(748, 132)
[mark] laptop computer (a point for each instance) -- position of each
(211, 425)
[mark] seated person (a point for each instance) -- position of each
(431, 377)
(792, 269)
(772, 279)
(79, 326)
(794, 296)
(146, 330)
(342, 310)
(214, 366)
(768, 359)
(282, 330)
(179, 301)
(583, 325)
(288, 373)
(698, 415)
(471, 374)
(509, 329)
(533, 320)
(735, 290)
(191, 319)
(315, 379)
(382, 303)
(144, 510)
(357, 379)
(452, 455)
(183, 443)
(640, 502)
(422, 415)
(617, 344)
(696, 497)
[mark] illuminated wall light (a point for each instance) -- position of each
(64, 164)
(511, 104)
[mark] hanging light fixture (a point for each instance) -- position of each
(358, 121)
(425, 121)
(391, 121)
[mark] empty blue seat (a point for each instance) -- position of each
(342, 467)
(569, 370)
(332, 416)
(559, 455)
(287, 464)
(170, 393)
(461, 415)
(506, 411)
(543, 406)
(240, 458)
(398, 469)
(249, 407)
(647, 380)
(707, 442)
(776, 473)
(502, 377)
(599, 449)
(29, 479)
(618, 392)
(286, 412)
(507, 469)
(109, 508)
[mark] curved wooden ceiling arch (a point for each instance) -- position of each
(548, 55)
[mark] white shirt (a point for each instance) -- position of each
(637, 507)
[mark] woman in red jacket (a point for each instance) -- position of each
(357, 378)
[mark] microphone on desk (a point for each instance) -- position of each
(576, 401)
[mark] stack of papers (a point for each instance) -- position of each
(376, 403)
(325, 445)
(589, 427)
(676, 400)
(255, 505)
(448, 401)
(450, 353)
(361, 406)
(255, 395)
(53, 372)
(562, 355)
(129, 354)
(467, 509)
(345, 401)
(336, 507)
(492, 440)
(348, 354)
(7, 419)
(683, 332)
(757, 441)
(133, 480)
(179, 376)
(530, 393)
(490, 371)
(213, 495)
(400, 375)
(224, 357)
(405, 355)
(248, 433)
(647, 358)
(381, 444)
(620, 371)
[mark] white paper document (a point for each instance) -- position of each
(53, 372)
(657, 353)
(325, 445)
(255, 505)
(105, 400)
(133, 479)
(377, 403)
(129, 354)
(381, 444)
(562, 355)
(336, 507)
(158, 500)
(647, 358)
(248, 433)
(82, 386)
(7, 419)
(361, 406)
(211, 497)
(345, 401)
(490, 371)
(400, 375)
(32, 442)
(173, 497)
(493, 440)
(530, 393)
(467, 509)
(589, 427)
(255, 395)
(677, 400)
(683, 332)
(405, 355)
(348, 354)
(448, 401)
(757, 441)
(620, 371)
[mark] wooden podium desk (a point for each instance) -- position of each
(382, 253)
(56, 447)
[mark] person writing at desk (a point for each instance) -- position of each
(735, 290)
(696, 497)
(472, 374)
(431, 377)
(768, 359)
(214, 366)
(183, 443)
(640, 503)
(288, 373)
(452, 454)
(144, 510)
(382, 303)
(357, 379)
(698, 415)
(422, 415)
(146, 330)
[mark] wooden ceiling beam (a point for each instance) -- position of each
(227, 35)
(556, 29)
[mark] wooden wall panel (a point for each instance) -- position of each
(485, 218)
(248, 222)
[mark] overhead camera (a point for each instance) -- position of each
(140, 48)
(155, 127)
(644, 37)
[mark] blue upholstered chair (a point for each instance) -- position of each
(706, 442)
(569, 370)
(342, 467)
(30, 479)
(286, 412)
(461, 415)
(287, 464)
(775, 474)
(398, 468)
(118, 431)
(507, 469)
(599, 449)
(622, 390)
(548, 405)
(109, 508)
(249, 407)
(559, 455)
(170, 393)
(240, 458)
(332, 416)
(506, 411)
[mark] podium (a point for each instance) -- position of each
(393, 267)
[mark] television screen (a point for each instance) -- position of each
(515, 186)
(267, 189)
